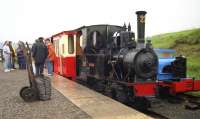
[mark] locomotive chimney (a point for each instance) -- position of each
(141, 26)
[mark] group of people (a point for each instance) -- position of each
(9, 56)
(42, 52)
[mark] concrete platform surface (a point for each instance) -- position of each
(93, 103)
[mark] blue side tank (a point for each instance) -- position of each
(165, 59)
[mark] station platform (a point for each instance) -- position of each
(93, 103)
(69, 101)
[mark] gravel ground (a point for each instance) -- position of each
(13, 107)
(175, 111)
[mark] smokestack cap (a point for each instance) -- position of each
(141, 12)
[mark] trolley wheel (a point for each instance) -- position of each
(22, 90)
(28, 94)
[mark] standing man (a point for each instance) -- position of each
(39, 53)
(51, 56)
(7, 56)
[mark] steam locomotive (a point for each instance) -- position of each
(110, 60)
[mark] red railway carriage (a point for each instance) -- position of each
(65, 49)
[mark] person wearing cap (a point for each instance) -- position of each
(39, 54)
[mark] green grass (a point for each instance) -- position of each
(170, 40)
(186, 43)
(197, 93)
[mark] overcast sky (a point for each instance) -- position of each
(28, 19)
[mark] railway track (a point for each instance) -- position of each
(181, 106)
(193, 102)
(155, 115)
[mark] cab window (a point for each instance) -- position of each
(71, 44)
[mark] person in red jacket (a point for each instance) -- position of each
(51, 56)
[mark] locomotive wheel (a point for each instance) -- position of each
(28, 94)
(141, 103)
(119, 93)
(121, 96)
(90, 81)
(100, 86)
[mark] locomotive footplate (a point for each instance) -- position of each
(184, 85)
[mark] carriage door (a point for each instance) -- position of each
(56, 61)
(62, 52)
(69, 57)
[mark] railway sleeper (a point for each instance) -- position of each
(192, 106)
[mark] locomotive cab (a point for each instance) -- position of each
(165, 60)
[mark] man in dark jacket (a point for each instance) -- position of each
(39, 53)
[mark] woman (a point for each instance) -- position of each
(7, 56)
(21, 57)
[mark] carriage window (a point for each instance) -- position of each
(56, 45)
(71, 44)
(81, 40)
(94, 37)
(63, 48)
(117, 39)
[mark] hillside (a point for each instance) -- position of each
(186, 43)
